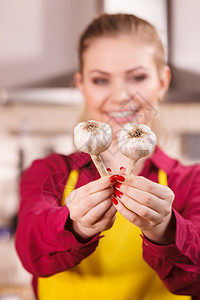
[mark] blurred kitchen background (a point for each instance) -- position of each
(39, 105)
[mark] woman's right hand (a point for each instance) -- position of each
(91, 209)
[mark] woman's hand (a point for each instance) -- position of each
(91, 209)
(148, 205)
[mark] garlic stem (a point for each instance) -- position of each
(131, 166)
(99, 165)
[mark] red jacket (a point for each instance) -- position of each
(46, 245)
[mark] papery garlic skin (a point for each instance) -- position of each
(93, 137)
(136, 141)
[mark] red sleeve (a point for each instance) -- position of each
(178, 265)
(44, 245)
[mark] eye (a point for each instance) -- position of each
(100, 81)
(137, 78)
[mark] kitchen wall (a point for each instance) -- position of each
(184, 35)
(34, 45)
(153, 11)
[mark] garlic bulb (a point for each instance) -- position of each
(93, 137)
(136, 141)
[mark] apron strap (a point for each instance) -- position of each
(162, 177)
(70, 185)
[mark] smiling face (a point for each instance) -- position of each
(120, 81)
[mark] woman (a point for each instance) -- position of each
(122, 77)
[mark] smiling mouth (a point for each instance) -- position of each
(123, 114)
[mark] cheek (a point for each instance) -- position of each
(94, 105)
(93, 102)
(151, 93)
(146, 98)
(94, 99)
(149, 101)
(150, 105)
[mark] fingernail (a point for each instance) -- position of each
(118, 193)
(114, 200)
(109, 170)
(117, 185)
(122, 168)
(120, 178)
(114, 178)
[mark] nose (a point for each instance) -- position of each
(119, 92)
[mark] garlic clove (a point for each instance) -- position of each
(93, 137)
(136, 141)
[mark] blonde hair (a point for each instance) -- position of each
(117, 24)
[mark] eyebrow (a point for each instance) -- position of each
(136, 69)
(127, 72)
(99, 71)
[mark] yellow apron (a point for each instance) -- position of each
(114, 271)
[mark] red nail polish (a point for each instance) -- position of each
(114, 200)
(109, 170)
(118, 193)
(120, 178)
(122, 168)
(113, 178)
(117, 185)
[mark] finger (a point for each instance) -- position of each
(95, 186)
(141, 210)
(140, 196)
(149, 186)
(94, 200)
(107, 220)
(88, 189)
(108, 215)
(71, 197)
(79, 210)
(132, 216)
(97, 212)
(122, 170)
(83, 205)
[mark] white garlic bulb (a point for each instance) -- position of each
(93, 137)
(136, 141)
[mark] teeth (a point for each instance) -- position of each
(122, 114)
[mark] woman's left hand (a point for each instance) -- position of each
(148, 205)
